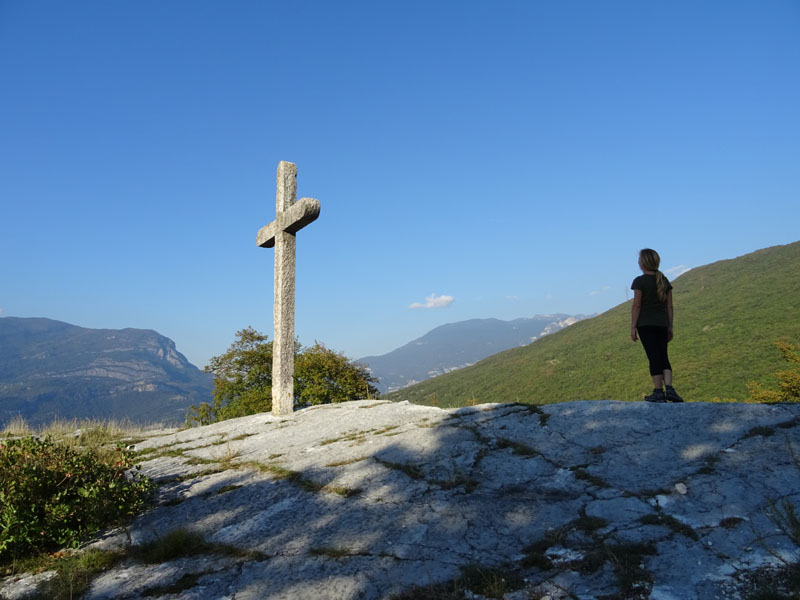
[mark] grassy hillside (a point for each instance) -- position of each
(727, 317)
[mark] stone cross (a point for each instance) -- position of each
(290, 217)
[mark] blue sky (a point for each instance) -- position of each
(479, 159)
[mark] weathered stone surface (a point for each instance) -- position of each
(365, 499)
(27, 587)
(290, 217)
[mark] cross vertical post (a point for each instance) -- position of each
(290, 217)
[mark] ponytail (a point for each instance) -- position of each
(661, 286)
(650, 260)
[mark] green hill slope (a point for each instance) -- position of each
(727, 317)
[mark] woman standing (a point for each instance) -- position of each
(651, 321)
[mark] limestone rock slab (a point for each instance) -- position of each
(365, 499)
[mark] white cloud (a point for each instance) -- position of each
(605, 288)
(1, 312)
(512, 298)
(677, 271)
(434, 301)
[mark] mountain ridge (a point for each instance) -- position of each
(52, 369)
(456, 345)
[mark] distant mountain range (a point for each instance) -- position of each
(458, 345)
(51, 369)
(728, 316)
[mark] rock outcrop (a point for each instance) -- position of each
(370, 499)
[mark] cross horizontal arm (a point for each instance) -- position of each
(300, 214)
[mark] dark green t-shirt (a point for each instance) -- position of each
(654, 312)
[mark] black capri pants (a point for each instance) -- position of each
(654, 339)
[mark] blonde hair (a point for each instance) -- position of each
(650, 261)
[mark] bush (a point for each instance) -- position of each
(788, 379)
(324, 376)
(54, 496)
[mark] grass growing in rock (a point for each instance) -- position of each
(460, 479)
(334, 552)
(196, 474)
(299, 480)
(627, 562)
(355, 436)
(226, 488)
(293, 477)
(589, 524)
(584, 475)
(74, 570)
(186, 582)
(517, 447)
(784, 515)
(709, 465)
(661, 518)
(782, 583)
(534, 409)
(625, 559)
(180, 543)
(490, 582)
(756, 431)
(412, 471)
(349, 461)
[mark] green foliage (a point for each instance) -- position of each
(75, 571)
(243, 379)
(54, 496)
(323, 376)
(727, 315)
(788, 379)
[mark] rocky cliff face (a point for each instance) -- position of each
(51, 369)
(556, 325)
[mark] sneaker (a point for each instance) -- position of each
(656, 396)
(672, 395)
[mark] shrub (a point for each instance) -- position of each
(54, 496)
(788, 379)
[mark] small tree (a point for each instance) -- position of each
(788, 380)
(243, 379)
(323, 376)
